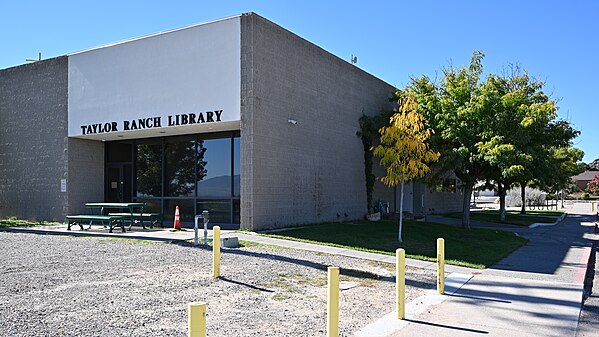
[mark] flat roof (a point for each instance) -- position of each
(153, 35)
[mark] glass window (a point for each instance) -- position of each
(236, 168)
(180, 166)
(236, 211)
(186, 211)
(118, 152)
(152, 205)
(220, 210)
(214, 169)
(148, 168)
(196, 172)
(447, 185)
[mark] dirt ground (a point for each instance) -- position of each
(75, 286)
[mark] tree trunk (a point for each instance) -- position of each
(502, 191)
(466, 206)
(401, 211)
(523, 195)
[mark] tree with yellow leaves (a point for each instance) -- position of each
(404, 148)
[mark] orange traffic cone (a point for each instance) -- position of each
(177, 223)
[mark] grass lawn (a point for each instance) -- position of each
(23, 223)
(477, 248)
(511, 217)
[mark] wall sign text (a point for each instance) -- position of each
(153, 122)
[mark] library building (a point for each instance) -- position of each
(236, 116)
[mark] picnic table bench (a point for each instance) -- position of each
(153, 218)
(135, 215)
(135, 210)
(112, 220)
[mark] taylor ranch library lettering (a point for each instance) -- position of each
(236, 116)
(153, 122)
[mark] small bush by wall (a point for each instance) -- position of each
(533, 197)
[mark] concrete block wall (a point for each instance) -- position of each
(85, 174)
(382, 191)
(442, 202)
(301, 158)
(33, 140)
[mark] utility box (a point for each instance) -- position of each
(230, 242)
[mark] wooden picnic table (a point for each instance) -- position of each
(133, 207)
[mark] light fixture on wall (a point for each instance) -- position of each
(292, 121)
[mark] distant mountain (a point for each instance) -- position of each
(217, 187)
(594, 166)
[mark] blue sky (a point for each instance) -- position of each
(556, 41)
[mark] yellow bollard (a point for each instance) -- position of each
(216, 251)
(196, 319)
(441, 266)
(333, 303)
(400, 283)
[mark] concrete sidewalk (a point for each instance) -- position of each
(536, 291)
(500, 306)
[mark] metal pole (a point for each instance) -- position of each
(206, 216)
(216, 251)
(195, 230)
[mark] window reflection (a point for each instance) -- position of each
(236, 211)
(190, 171)
(148, 168)
(180, 165)
(236, 167)
(220, 210)
(186, 211)
(216, 182)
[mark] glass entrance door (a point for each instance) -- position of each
(118, 183)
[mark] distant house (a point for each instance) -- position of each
(583, 179)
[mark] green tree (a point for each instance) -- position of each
(521, 113)
(504, 130)
(543, 143)
(460, 117)
(404, 148)
(562, 163)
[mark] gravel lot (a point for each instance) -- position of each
(75, 286)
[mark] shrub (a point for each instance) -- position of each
(593, 185)
(533, 197)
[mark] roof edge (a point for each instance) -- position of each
(154, 34)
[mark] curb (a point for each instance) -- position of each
(540, 224)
